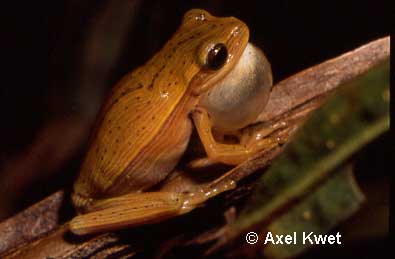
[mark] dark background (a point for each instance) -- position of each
(59, 58)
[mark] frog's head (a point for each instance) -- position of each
(232, 77)
(213, 44)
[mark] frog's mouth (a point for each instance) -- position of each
(242, 94)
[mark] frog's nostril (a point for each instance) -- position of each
(239, 30)
(236, 30)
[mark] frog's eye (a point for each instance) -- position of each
(217, 56)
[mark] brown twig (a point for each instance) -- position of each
(35, 232)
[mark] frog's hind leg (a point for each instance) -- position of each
(137, 209)
(127, 211)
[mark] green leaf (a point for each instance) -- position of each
(353, 116)
(337, 199)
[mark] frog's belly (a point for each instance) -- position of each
(155, 161)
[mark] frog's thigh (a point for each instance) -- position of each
(127, 211)
(232, 154)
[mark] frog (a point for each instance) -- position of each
(208, 78)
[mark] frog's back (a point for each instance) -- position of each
(133, 115)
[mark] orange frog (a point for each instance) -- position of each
(206, 76)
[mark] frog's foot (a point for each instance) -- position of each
(137, 209)
(195, 199)
(254, 134)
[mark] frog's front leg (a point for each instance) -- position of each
(137, 209)
(232, 154)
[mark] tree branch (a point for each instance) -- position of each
(38, 232)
